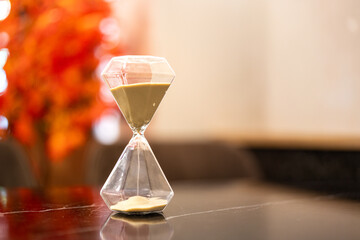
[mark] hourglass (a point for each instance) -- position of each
(137, 185)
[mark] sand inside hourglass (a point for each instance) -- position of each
(138, 103)
(140, 204)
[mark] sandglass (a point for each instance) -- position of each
(137, 185)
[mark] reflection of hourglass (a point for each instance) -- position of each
(137, 184)
(151, 226)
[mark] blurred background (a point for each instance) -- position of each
(268, 90)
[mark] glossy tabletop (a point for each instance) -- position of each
(213, 210)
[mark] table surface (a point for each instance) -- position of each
(204, 210)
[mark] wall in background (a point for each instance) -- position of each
(258, 67)
(314, 66)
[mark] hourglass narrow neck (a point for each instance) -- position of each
(137, 135)
(138, 140)
(139, 131)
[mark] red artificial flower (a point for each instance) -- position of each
(52, 91)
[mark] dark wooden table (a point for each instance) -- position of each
(207, 210)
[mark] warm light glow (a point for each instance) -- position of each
(4, 53)
(4, 123)
(3, 81)
(5, 7)
(107, 129)
(4, 38)
(110, 28)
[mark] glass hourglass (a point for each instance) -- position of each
(137, 185)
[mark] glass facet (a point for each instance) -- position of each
(137, 185)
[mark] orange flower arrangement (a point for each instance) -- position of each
(52, 93)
